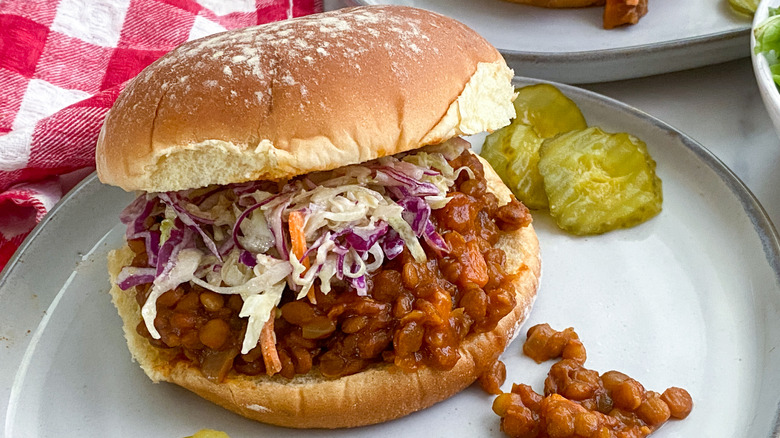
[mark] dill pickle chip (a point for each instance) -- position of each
(548, 110)
(495, 150)
(513, 151)
(542, 112)
(597, 181)
(522, 172)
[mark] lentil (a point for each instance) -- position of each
(577, 402)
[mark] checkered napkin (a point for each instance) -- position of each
(62, 65)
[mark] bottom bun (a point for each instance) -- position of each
(561, 3)
(380, 393)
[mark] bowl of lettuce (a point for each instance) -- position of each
(765, 53)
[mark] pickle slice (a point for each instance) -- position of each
(522, 172)
(495, 150)
(548, 110)
(514, 152)
(597, 182)
(542, 112)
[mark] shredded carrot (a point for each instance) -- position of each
(268, 346)
(311, 295)
(298, 240)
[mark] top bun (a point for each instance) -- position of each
(300, 95)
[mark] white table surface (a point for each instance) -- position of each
(718, 106)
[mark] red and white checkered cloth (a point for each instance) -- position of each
(62, 65)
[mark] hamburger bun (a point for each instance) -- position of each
(301, 95)
(313, 401)
(308, 94)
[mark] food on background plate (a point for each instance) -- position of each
(591, 181)
(580, 403)
(313, 245)
(622, 12)
(616, 12)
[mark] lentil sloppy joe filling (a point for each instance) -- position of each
(411, 309)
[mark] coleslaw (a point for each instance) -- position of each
(259, 239)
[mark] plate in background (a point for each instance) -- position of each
(690, 298)
(570, 45)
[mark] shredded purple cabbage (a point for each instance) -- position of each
(180, 238)
(363, 238)
(417, 213)
(244, 215)
(131, 276)
(248, 259)
(402, 185)
(190, 221)
(277, 228)
(434, 240)
(392, 244)
(360, 285)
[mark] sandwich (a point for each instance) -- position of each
(312, 243)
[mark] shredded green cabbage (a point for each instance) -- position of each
(183, 270)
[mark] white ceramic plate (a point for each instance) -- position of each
(766, 84)
(690, 299)
(570, 45)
